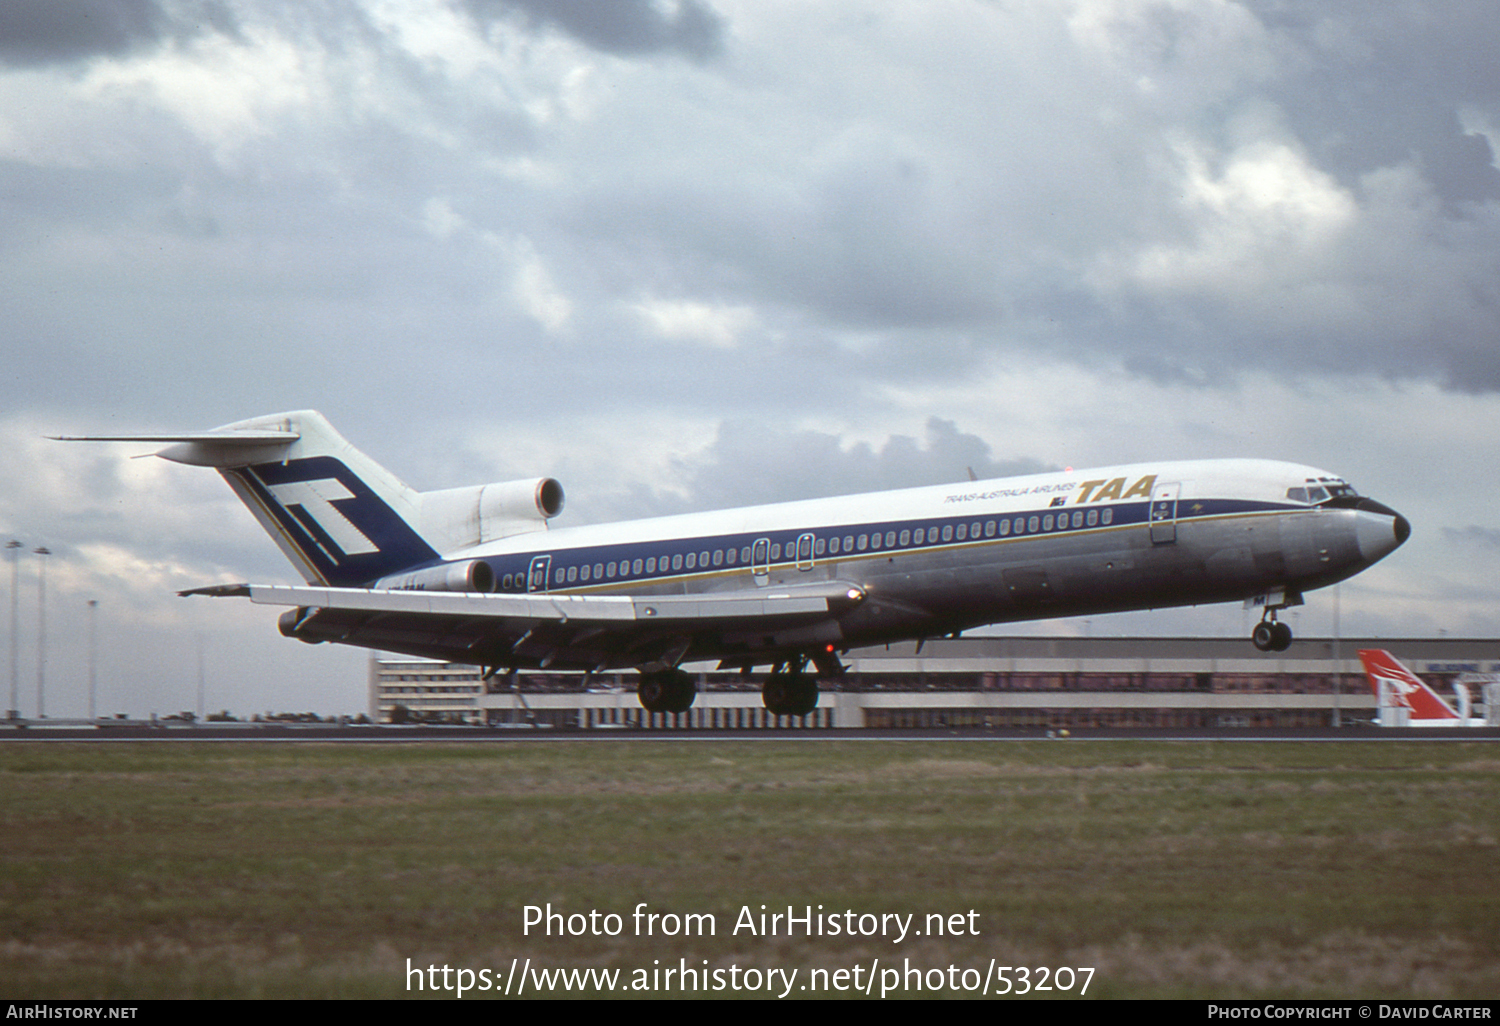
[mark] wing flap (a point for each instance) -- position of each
(581, 631)
(544, 607)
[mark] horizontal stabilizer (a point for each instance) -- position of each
(210, 437)
(223, 447)
(219, 591)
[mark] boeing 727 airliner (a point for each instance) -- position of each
(478, 575)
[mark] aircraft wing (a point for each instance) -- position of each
(561, 631)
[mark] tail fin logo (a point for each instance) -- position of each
(330, 521)
(1401, 688)
(315, 500)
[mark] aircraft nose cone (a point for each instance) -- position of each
(1403, 529)
(1380, 530)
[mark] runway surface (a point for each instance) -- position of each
(324, 733)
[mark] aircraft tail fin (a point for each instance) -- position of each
(1387, 676)
(340, 517)
(346, 521)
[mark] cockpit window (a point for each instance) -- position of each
(1320, 490)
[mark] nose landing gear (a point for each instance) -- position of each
(1270, 635)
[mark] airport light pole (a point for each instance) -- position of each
(41, 630)
(93, 654)
(1338, 663)
(200, 677)
(14, 548)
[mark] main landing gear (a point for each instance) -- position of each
(791, 691)
(667, 691)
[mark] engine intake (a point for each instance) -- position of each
(458, 518)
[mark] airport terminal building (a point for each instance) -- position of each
(1001, 682)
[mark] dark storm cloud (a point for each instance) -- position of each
(626, 28)
(1379, 85)
(63, 31)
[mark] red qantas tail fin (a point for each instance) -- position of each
(1382, 668)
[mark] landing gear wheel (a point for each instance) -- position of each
(1271, 636)
(1263, 638)
(667, 691)
(789, 693)
(1283, 640)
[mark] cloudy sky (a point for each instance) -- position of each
(689, 254)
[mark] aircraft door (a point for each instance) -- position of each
(536, 579)
(805, 552)
(1164, 513)
(760, 560)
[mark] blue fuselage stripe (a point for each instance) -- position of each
(624, 564)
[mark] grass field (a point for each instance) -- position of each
(1172, 869)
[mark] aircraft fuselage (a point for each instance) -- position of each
(933, 561)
